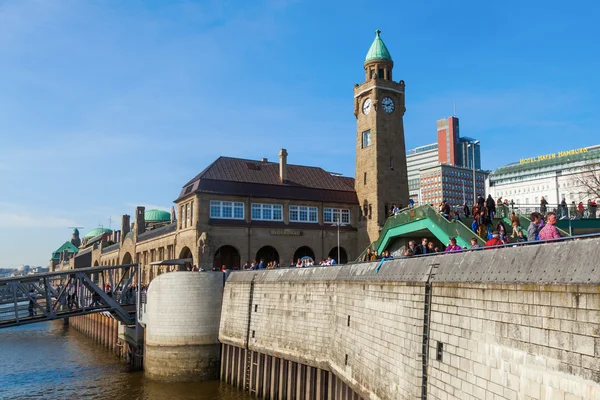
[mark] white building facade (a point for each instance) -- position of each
(568, 174)
(417, 159)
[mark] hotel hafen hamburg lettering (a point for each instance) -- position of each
(239, 210)
(553, 155)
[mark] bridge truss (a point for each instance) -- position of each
(55, 295)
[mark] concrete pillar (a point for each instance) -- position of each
(265, 375)
(223, 349)
(281, 378)
(252, 367)
(115, 338)
(330, 385)
(240, 366)
(273, 378)
(290, 379)
(245, 377)
(107, 332)
(299, 381)
(185, 346)
(308, 383)
(319, 389)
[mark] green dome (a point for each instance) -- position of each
(378, 51)
(157, 216)
(96, 232)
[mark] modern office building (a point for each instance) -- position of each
(451, 150)
(422, 157)
(451, 183)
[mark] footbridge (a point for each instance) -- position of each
(44, 297)
(425, 221)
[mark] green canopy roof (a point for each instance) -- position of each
(378, 51)
(96, 232)
(67, 246)
(157, 216)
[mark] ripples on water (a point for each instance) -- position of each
(50, 361)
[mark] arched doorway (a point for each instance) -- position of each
(186, 253)
(228, 256)
(343, 255)
(127, 259)
(303, 251)
(267, 254)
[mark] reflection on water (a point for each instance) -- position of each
(50, 361)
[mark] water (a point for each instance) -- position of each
(50, 361)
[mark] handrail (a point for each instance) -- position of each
(412, 214)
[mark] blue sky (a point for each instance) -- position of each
(107, 104)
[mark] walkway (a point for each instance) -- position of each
(44, 297)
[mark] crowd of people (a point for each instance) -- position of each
(494, 233)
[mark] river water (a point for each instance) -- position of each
(50, 361)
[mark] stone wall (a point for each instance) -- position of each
(514, 323)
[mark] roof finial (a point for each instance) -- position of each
(377, 32)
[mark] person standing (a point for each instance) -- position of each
(491, 206)
(533, 230)
(543, 206)
(549, 231)
(453, 247)
(466, 210)
(422, 248)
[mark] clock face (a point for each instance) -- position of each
(367, 106)
(387, 104)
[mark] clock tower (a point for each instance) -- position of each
(381, 179)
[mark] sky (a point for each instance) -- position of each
(109, 104)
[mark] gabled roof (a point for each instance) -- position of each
(242, 177)
(67, 246)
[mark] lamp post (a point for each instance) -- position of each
(338, 223)
(473, 144)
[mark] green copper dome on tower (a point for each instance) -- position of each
(378, 51)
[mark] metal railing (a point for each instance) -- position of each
(42, 297)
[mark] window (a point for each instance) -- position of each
(267, 212)
(331, 215)
(392, 163)
(304, 214)
(188, 213)
(366, 139)
(226, 210)
(365, 179)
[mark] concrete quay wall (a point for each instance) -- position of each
(513, 323)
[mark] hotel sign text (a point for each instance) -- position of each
(553, 155)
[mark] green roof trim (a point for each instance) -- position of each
(96, 232)
(157, 216)
(378, 51)
(67, 246)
